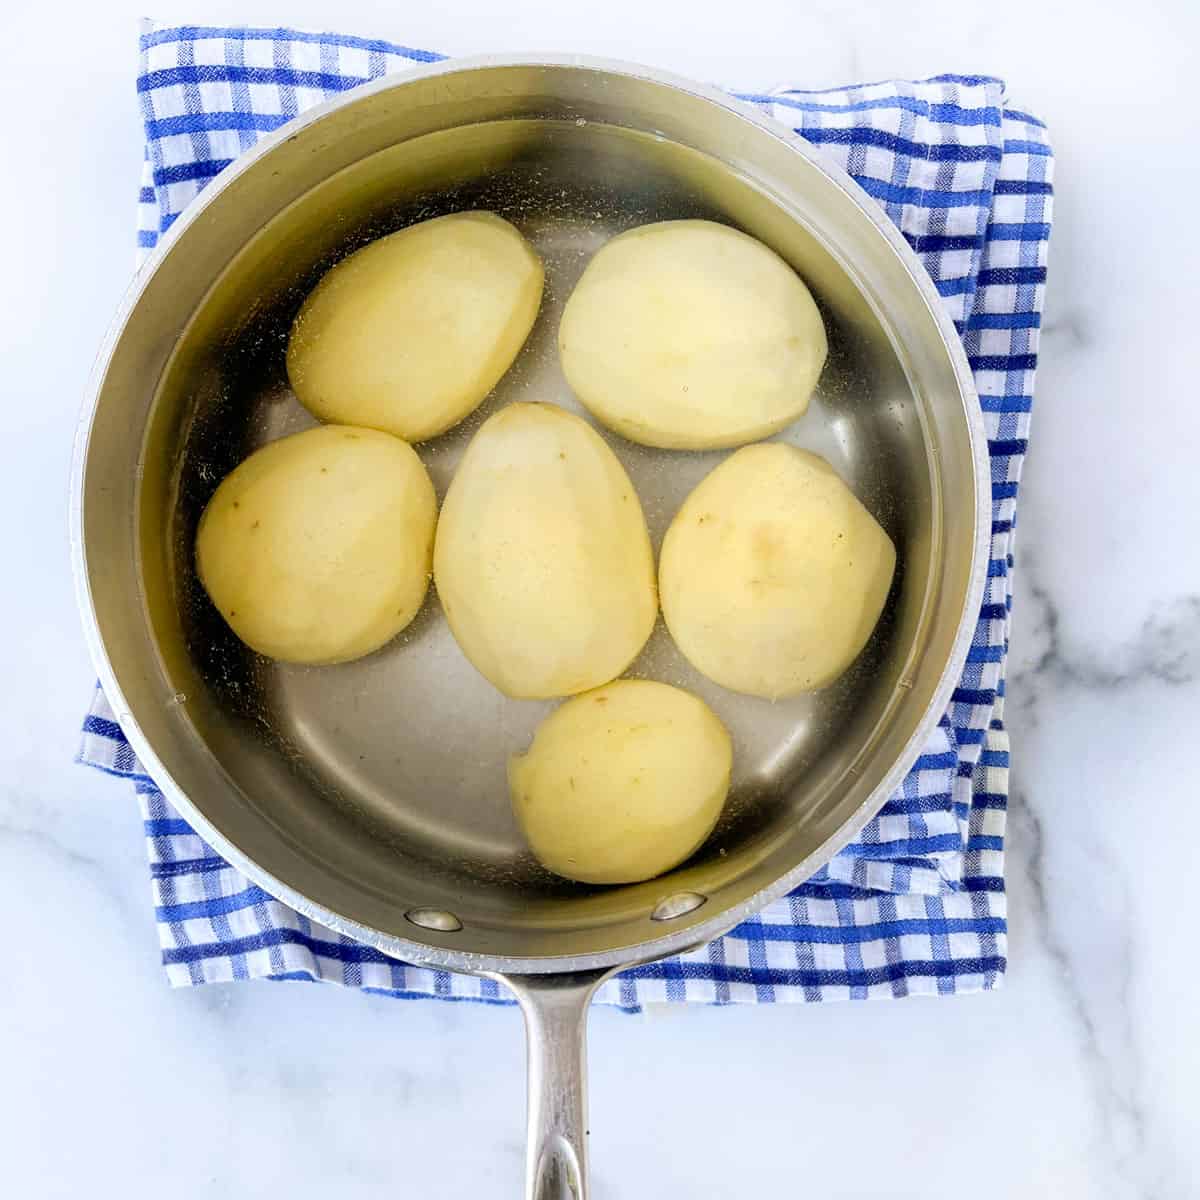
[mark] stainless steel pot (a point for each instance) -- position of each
(372, 796)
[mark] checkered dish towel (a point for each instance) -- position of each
(916, 906)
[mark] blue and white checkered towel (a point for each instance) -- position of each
(916, 906)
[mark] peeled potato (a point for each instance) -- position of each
(543, 564)
(622, 783)
(772, 574)
(317, 548)
(691, 336)
(410, 333)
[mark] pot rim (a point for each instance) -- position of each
(411, 949)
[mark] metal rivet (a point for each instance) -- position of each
(677, 905)
(434, 918)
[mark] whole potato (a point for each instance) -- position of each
(622, 783)
(690, 335)
(410, 333)
(772, 574)
(543, 562)
(317, 548)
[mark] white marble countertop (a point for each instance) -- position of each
(1074, 1081)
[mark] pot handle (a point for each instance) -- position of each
(556, 1009)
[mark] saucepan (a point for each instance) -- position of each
(371, 796)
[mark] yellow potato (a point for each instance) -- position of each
(317, 548)
(622, 783)
(772, 574)
(543, 563)
(410, 333)
(691, 336)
